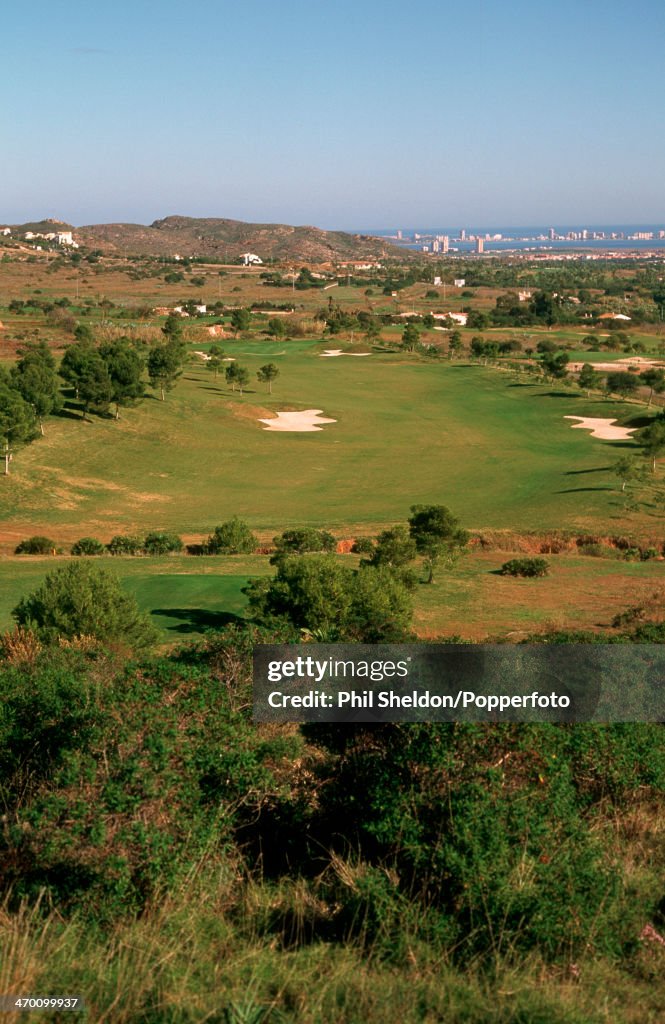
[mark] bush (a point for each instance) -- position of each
(123, 544)
(36, 546)
(232, 538)
(528, 567)
(162, 543)
(299, 542)
(363, 546)
(88, 546)
(84, 600)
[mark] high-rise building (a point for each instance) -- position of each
(399, 233)
(445, 243)
(551, 234)
(462, 234)
(480, 245)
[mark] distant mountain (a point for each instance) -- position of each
(227, 239)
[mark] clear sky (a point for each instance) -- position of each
(375, 114)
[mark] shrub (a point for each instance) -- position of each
(162, 543)
(88, 546)
(233, 537)
(363, 546)
(36, 546)
(299, 542)
(528, 567)
(123, 544)
(84, 600)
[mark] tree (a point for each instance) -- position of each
(410, 337)
(652, 439)
(622, 383)
(237, 374)
(172, 329)
(626, 469)
(36, 379)
(215, 359)
(276, 327)
(165, 365)
(437, 534)
(555, 366)
(267, 374)
(394, 548)
(233, 537)
(17, 419)
(588, 378)
(454, 343)
(318, 593)
(75, 361)
(95, 389)
(241, 320)
(125, 368)
(655, 380)
(83, 599)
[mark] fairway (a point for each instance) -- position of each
(494, 448)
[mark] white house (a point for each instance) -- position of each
(459, 282)
(250, 259)
(201, 309)
(459, 318)
(5, 231)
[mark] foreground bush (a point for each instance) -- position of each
(528, 567)
(82, 599)
(36, 546)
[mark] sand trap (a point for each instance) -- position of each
(332, 352)
(301, 422)
(602, 428)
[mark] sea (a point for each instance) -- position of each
(534, 238)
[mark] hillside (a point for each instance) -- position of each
(226, 239)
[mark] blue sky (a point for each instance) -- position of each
(374, 114)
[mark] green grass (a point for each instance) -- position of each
(185, 595)
(497, 451)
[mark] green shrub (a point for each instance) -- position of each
(37, 546)
(528, 567)
(363, 546)
(299, 542)
(88, 546)
(233, 537)
(162, 543)
(125, 545)
(82, 599)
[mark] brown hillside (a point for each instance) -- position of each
(224, 239)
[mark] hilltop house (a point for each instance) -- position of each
(250, 259)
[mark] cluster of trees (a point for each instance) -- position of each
(319, 595)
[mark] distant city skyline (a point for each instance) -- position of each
(358, 116)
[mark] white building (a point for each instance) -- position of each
(459, 282)
(250, 259)
(5, 231)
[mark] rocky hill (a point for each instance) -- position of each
(227, 239)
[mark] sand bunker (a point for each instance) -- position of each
(305, 421)
(331, 352)
(602, 428)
